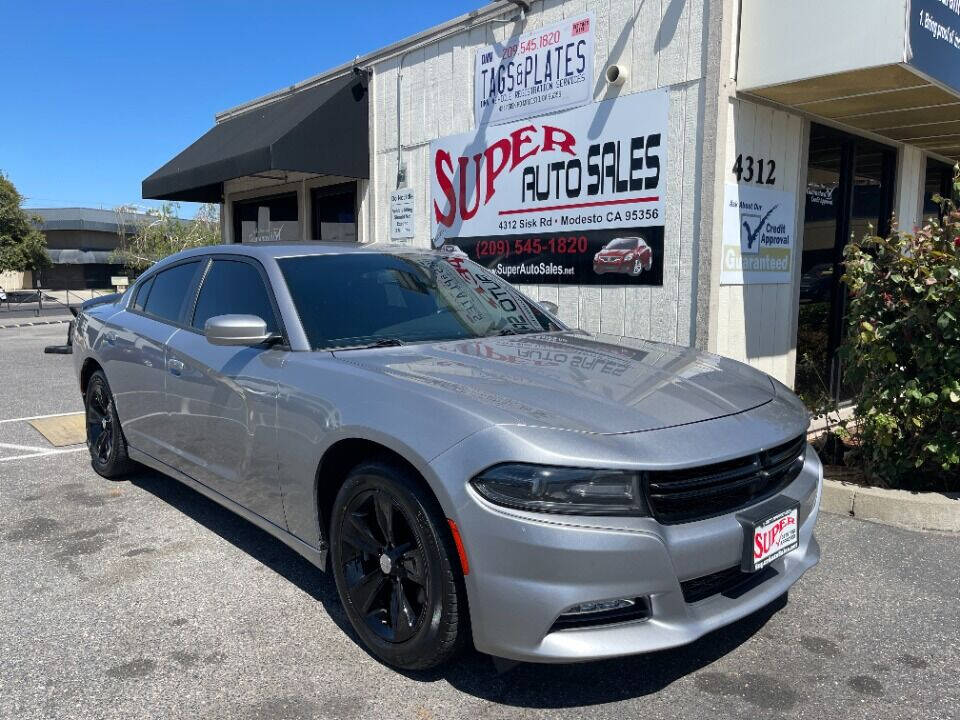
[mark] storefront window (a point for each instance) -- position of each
(939, 181)
(335, 213)
(264, 219)
(850, 186)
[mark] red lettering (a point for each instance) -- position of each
(466, 214)
(494, 168)
(520, 138)
(508, 151)
(446, 187)
(555, 138)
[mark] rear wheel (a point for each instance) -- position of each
(394, 568)
(105, 441)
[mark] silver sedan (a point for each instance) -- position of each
(467, 467)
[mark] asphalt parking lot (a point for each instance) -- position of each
(144, 599)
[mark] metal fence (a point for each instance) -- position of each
(47, 301)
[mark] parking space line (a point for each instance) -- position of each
(37, 417)
(28, 448)
(45, 453)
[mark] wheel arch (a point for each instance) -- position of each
(345, 454)
(89, 367)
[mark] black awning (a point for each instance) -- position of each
(319, 130)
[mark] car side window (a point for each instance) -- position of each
(143, 292)
(169, 291)
(234, 288)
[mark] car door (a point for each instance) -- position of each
(222, 401)
(133, 350)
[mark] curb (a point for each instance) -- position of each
(913, 511)
(35, 322)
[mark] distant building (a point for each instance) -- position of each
(81, 242)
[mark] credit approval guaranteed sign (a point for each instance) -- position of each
(539, 72)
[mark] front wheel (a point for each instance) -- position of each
(105, 441)
(394, 568)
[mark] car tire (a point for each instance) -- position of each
(396, 569)
(105, 441)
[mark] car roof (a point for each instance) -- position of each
(274, 250)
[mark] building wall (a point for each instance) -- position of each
(690, 48)
(664, 45)
(757, 323)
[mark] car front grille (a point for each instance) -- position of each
(679, 496)
(732, 582)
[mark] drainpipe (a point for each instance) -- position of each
(401, 171)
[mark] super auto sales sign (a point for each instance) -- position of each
(574, 198)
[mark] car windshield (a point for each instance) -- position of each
(622, 244)
(364, 299)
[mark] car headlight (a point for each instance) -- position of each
(629, 257)
(572, 491)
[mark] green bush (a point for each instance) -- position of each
(902, 353)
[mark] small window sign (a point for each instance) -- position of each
(119, 280)
(401, 214)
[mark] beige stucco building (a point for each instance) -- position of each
(785, 127)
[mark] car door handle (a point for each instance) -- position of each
(174, 366)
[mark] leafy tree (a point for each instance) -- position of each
(22, 245)
(903, 352)
(146, 240)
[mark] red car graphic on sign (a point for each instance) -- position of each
(628, 255)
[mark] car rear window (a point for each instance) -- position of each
(169, 291)
(143, 292)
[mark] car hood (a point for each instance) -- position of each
(576, 381)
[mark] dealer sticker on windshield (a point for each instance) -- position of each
(773, 538)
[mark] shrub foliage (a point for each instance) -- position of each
(903, 352)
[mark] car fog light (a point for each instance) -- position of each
(599, 606)
(603, 612)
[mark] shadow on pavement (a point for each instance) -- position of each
(526, 685)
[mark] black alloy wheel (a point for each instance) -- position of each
(392, 562)
(383, 564)
(99, 425)
(105, 441)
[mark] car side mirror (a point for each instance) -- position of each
(244, 330)
(550, 307)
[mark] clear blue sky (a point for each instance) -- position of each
(97, 95)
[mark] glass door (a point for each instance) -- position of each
(335, 213)
(850, 191)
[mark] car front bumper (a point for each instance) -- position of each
(526, 569)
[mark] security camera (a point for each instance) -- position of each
(616, 75)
